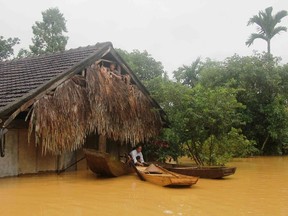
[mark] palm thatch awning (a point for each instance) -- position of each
(71, 97)
(100, 103)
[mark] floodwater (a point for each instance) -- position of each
(259, 187)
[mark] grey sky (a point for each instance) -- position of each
(175, 32)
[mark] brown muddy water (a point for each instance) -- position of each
(259, 187)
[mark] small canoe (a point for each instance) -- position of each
(102, 163)
(211, 172)
(160, 176)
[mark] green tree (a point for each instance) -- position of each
(6, 47)
(204, 123)
(23, 53)
(212, 115)
(173, 98)
(142, 64)
(188, 75)
(49, 34)
(266, 26)
(263, 90)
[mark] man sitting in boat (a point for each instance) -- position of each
(137, 152)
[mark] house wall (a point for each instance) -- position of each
(82, 164)
(24, 158)
(9, 163)
(27, 154)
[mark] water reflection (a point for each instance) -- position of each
(259, 187)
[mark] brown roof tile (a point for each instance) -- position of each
(18, 77)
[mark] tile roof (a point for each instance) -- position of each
(18, 77)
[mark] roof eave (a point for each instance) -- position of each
(35, 94)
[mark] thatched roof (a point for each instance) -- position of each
(69, 106)
(25, 78)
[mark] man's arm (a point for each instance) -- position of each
(141, 157)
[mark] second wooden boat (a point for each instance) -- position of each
(104, 164)
(212, 172)
(160, 176)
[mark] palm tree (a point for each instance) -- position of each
(189, 75)
(266, 26)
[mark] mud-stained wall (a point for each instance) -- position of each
(9, 163)
(25, 158)
(27, 154)
(31, 159)
(82, 164)
(22, 157)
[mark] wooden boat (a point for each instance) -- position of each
(104, 164)
(211, 172)
(160, 176)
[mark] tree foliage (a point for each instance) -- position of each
(203, 122)
(237, 107)
(267, 28)
(142, 64)
(23, 53)
(264, 93)
(189, 75)
(7, 47)
(213, 114)
(219, 116)
(173, 98)
(49, 33)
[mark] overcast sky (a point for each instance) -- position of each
(174, 32)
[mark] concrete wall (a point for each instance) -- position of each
(9, 163)
(30, 157)
(23, 158)
(27, 154)
(82, 164)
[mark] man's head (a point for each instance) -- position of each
(112, 66)
(103, 69)
(138, 148)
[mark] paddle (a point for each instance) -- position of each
(131, 163)
(63, 170)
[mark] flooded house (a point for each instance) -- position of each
(51, 106)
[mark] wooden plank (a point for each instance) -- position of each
(11, 118)
(102, 143)
(3, 131)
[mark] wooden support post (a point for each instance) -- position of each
(102, 143)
